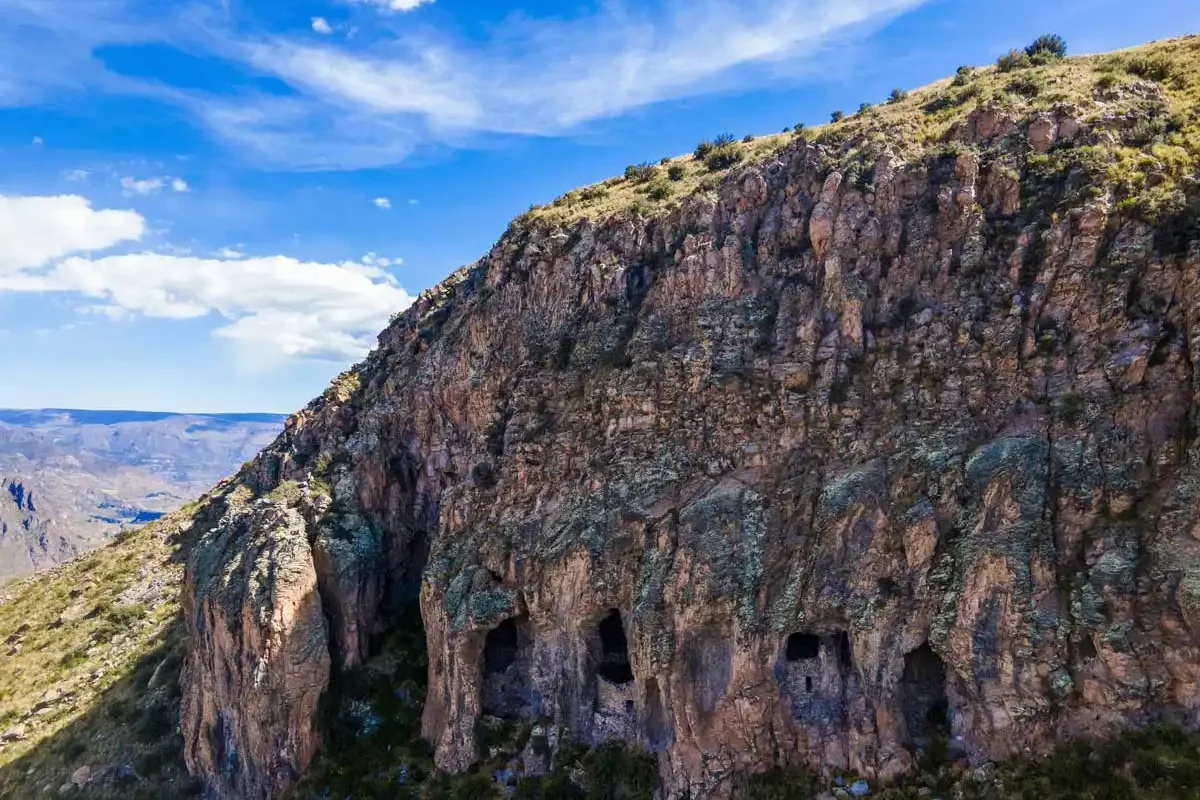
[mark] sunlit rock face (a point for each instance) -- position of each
(804, 471)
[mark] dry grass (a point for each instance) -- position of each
(1135, 81)
(89, 662)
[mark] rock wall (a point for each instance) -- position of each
(849, 459)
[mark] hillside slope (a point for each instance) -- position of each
(869, 450)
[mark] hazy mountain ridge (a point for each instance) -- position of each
(73, 479)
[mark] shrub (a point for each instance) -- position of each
(1025, 85)
(1146, 130)
(799, 127)
(703, 149)
(664, 161)
(964, 75)
(1152, 68)
(156, 722)
(722, 157)
(1106, 82)
(781, 784)
(897, 95)
(639, 208)
(659, 191)
(837, 116)
(724, 140)
(676, 172)
(640, 173)
(748, 138)
(1013, 60)
(589, 193)
(864, 108)
(1050, 45)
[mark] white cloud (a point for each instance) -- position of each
(394, 5)
(382, 262)
(132, 185)
(372, 100)
(271, 308)
(38, 140)
(382, 202)
(229, 252)
(76, 175)
(412, 202)
(321, 26)
(282, 307)
(37, 230)
(532, 77)
(154, 185)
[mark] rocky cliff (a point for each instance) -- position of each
(885, 433)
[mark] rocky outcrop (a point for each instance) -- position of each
(799, 471)
(259, 651)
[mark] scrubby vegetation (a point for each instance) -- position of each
(1150, 95)
(89, 674)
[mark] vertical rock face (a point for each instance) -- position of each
(259, 657)
(794, 473)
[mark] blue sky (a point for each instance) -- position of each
(214, 205)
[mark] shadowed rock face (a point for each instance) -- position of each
(848, 462)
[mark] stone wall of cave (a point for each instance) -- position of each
(616, 712)
(508, 691)
(814, 671)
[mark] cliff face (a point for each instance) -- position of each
(803, 469)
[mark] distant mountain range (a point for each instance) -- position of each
(71, 479)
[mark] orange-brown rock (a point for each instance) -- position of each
(788, 474)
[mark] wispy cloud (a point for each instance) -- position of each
(382, 202)
(372, 100)
(322, 26)
(277, 307)
(393, 5)
(154, 185)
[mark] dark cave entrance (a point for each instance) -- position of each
(507, 687)
(802, 646)
(922, 689)
(614, 650)
(615, 711)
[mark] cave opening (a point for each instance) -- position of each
(507, 683)
(923, 699)
(501, 647)
(802, 647)
(614, 650)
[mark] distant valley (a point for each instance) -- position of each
(70, 480)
